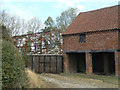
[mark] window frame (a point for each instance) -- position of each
(82, 38)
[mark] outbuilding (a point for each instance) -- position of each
(91, 42)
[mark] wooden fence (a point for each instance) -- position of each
(48, 63)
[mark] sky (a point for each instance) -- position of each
(42, 9)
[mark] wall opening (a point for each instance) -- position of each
(103, 63)
(77, 62)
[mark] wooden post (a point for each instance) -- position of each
(50, 64)
(41, 45)
(59, 48)
(20, 45)
(56, 63)
(32, 62)
(35, 44)
(26, 47)
(59, 44)
(35, 47)
(44, 63)
(39, 65)
(46, 48)
(29, 45)
(62, 63)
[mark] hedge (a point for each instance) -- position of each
(13, 66)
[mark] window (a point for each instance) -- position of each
(82, 38)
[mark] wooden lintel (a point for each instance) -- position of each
(92, 51)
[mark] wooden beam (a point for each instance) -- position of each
(35, 47)
(39, 65)
(50, 63)
(59, 48)
(32, 62)
(46, 48)
(56, 64)
(41, 45)
(92, 51)
(26, 47)
(62, 63)
(44, 64)
(59, 43)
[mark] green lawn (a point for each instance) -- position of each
(109, 79)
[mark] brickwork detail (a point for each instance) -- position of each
(89, 69)
(66, 63)
(94, 41)
(117, 63)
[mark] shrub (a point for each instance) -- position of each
(13, 67)
(26, 58)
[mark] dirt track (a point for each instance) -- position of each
(59, 81)
(66, 82)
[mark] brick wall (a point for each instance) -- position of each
(117, 63)
(94, 41)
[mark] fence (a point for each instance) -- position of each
(48, 63)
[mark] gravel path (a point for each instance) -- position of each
(66, 82)
(63, 84)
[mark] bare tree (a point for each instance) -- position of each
(16, 25)
(34, 25)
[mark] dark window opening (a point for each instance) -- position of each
(77, 62)
(103, 63)
(81, 63)
(82, 38)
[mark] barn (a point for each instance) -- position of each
(91, 42)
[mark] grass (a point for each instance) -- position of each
(108, 79)
(38, 80)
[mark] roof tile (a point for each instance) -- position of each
(97, 20)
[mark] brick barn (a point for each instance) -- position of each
(91, 42)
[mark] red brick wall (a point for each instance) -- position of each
(117, 63)
(94, 41)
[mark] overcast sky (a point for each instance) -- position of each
(43, 8)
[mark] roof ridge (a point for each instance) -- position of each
(98, 9)
(100, 19)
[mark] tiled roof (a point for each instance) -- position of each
(97, 20)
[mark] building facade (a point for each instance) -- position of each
(91, 42)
